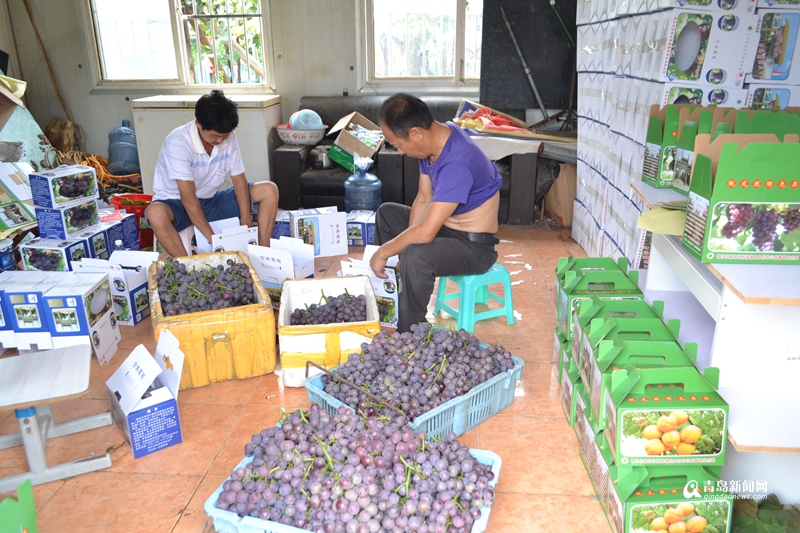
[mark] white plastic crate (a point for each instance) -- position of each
(230, 522)
(323, 343)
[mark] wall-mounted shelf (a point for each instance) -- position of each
(749, 330)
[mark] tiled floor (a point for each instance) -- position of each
(543, 485)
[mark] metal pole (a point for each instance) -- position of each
(558, 15)
(525, 65)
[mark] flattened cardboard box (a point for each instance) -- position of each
(143, 393)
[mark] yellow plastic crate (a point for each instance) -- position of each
(233, 343)
(323, 344)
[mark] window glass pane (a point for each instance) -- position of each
(414, 37)
(473, 32)
(222, 46)
(135, 40)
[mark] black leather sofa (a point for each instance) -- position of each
(303, 186)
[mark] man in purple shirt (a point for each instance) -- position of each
(449, 230)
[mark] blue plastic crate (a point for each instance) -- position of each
(230, 522)
(458, 415)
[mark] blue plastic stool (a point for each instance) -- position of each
(474, 290)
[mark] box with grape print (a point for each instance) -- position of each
(662, 499)
(63, 223)
(63, 186)
(665, 416)
(746, 207)
(560, 347)
(52, 254)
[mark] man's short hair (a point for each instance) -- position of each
(402, 112)
(216, 112)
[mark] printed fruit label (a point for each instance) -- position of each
(749, 227)
(566, 388)
(695, 517)
(674, 436)
(651, 158)
(696, 217)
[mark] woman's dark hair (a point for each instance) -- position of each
(402, 112)
(216, 112)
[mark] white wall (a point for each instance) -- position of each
(314, 51)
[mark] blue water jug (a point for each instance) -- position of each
(123, 156)
(362, 192)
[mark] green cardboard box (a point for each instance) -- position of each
(347, 144)
(615, 354)
(18, 510)
(568, 264)
(610, 328)
(579, 285)
(570, 387)
(746, 207)
(594, 307)
(647, 498)
(663, 130)
(665, 416)
(560, 348)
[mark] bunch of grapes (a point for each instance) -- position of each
(43, 261)
(182, 290)
(416, 371)
(344, 473)
(791, 220)
(739, 217)
(765, 223)
(336, 309)
(80, 217)
(74, 187)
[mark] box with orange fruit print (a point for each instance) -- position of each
(665, 416)
(660, 500)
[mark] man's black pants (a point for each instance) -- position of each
(451, 253)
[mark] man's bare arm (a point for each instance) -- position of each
(192, 205)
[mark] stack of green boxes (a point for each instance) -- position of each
(651, 427)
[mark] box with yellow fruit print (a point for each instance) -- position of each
(664, 416)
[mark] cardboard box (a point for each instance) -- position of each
(8, 104)
(571, 387)
(143, 393)
(127, 272)
(347, 144)
(386, 295)
(18, 509)
(97, 242)
(619, 353)
(705, 96)
(81, 306)
(559, 199)
(63, 186)
(666, 416)
(65, 222)
(646, 498)
(281, 226)
(7, 337)
(323, 343)
(7, 259)
(360, 228)
(230, 343)
(286, 258)
(777, 44)
(726, 183)
(52, 254)
(228, 235)
(724, 54)
(324, 228)
(772, 96)
(25, 307)
(582, 284)
(121, 226)
(16, 209)
(560, 347)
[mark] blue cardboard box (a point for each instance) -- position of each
(64, 222)
(53, 254)
(281, 226)
(25, 308)
(63, 186)
(360, 228)
(143, 393)
(121, 227)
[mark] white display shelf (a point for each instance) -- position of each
(744, 319)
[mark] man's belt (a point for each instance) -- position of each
(483, 238)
